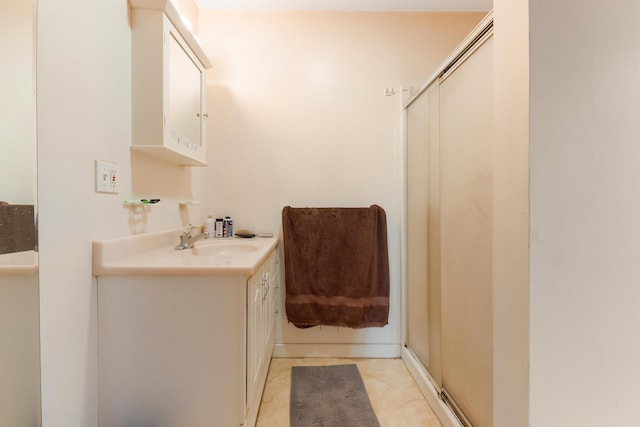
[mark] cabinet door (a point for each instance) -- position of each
(261, 289)
(255, 343)
(185, 102)
(270, 303)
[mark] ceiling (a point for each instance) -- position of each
(349, 5)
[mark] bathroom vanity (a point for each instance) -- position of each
(184, 336)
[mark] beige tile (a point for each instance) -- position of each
(395, 398)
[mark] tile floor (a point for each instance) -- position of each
(394, 395)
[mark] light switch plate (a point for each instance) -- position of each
(106, 177)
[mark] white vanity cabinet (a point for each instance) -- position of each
(188, 350)
(19, 340)
(168, 85)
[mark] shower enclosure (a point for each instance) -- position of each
(448, 251)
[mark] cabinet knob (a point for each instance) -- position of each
(205, 115)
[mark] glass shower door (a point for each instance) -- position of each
(466, 203)
(423, 231)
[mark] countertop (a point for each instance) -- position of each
(19, 264)
(154, 253)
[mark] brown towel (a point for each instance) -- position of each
(336, 266)
(17, 231)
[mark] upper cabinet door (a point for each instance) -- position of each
(185, 115)
(168, 85)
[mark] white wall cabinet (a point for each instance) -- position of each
(185, 351)
(168, 85)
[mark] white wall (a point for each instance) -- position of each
(511, 214)
(297, 116)
(585, 205)
(84, 106)
(83, 100)
(17, 103)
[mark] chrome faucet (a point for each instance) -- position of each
(187, 240)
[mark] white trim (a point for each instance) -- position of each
(421, 377)
(351, 5)
(403, 233)
(383, 351)
(466, 43)
(466, 55)
(176, 19)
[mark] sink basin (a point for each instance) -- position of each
(225, 249)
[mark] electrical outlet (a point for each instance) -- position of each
(106, 177)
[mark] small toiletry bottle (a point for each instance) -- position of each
(224, 227)
(229, 223)
(218, 227)
(210, 226)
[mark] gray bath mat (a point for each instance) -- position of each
(329, 396)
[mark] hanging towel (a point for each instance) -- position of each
(17, 229)
(336, 266)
